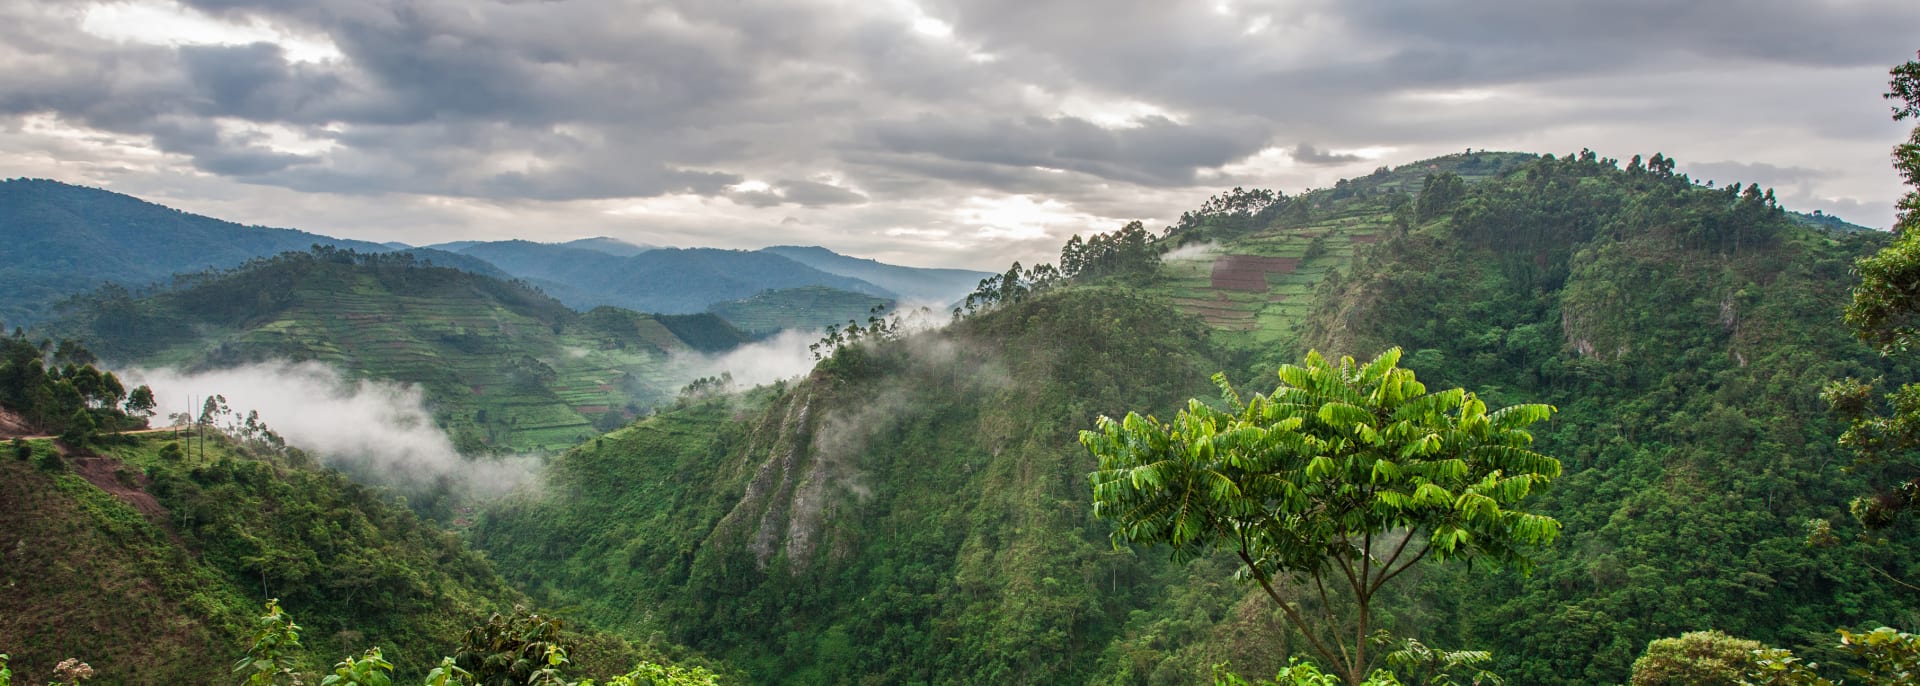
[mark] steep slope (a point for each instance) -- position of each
(58, 239)
(668, 280)
(920, 285)
(912, 512)
(807, 307)
(504, 366)
(151, 569)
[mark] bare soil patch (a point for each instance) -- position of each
(1249, 272)
(125, 483)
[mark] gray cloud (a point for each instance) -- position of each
(1157, 152)
(798, 192)
(1305, 153)
(489, 116)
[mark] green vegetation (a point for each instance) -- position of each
(912, 512)
(505, 367)
(57, 390)
(1881, 657)
(892, 518)
(1344, 467)
(1886, 314)
(145, 563)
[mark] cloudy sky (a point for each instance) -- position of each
(929, 132)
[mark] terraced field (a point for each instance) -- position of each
(501, 369)
(1254, 288)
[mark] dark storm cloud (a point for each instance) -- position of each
(257, 83)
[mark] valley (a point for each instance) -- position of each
(912, 505)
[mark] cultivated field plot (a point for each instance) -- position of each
(1256, 288)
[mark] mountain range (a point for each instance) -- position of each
(57, 240)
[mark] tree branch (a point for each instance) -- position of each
(1326, 608)
(1292, 615)
(1390, 560)
(1366, 567)
(1410, 563)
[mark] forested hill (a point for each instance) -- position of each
(503, 365)
(58, 239)
(917, 509)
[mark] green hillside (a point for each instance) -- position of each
(807, 307)
(916, 511)
(913, 513)
(152, 568)
(58, 239)
(503, 366)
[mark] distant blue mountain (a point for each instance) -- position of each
(912, 284)
(59, 239)
(666, 280)
(610, 246)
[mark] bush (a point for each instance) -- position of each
(51, 461)
(1703, 658)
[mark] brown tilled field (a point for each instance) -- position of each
(1249, 272)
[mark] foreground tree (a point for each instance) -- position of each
(1886, 313)
(1346, 476)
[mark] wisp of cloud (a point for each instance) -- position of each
(378, 430)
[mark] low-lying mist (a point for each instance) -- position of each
(379, 431)
(782, 356)
(787, 354)
(1191, 252)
